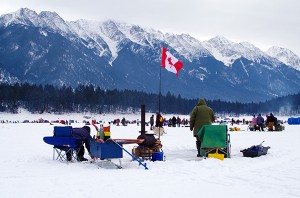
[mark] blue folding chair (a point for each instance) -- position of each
(64, 144)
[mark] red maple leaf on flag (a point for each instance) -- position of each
(170, 62)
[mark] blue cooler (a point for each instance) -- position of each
(106, 150)
(157, 156)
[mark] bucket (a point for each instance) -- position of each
(216, 155)
(157, 156)
(106, 130)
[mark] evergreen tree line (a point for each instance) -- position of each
(87, 98)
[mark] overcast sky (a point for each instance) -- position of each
(264, 23)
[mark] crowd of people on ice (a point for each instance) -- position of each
(257, 123)
(271, 123)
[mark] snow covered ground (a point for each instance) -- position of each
(27, 168)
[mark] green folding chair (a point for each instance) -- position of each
(214, 140)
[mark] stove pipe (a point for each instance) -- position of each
(143, 122)
(149, 139)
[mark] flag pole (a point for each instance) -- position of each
(159, 101)
(159, 90)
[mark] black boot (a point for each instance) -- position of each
(81, 158)
(80, 154)
(198, 145)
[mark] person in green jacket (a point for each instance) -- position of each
(201, 115)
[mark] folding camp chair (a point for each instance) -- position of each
(214, 139)
(64, 145)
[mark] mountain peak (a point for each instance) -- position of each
(22, 10)
(52, 15)
(54, 21)
(223, 49)
(187, 46)
(285, 55)
(23, 16)
(25, 12)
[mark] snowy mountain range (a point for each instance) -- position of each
(45, 49)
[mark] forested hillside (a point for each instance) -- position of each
(39, 99)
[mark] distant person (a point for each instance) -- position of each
(123, 121)
(253, 123)
(178, 120)
(159, 130)
(159, 120)
(254, 120)
(174, 121)
(271, 121)
(117, 121)
(260, 122)
(201, 115)
(151, 122)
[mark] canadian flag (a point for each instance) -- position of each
(169, 62)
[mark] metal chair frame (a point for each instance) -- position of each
(62, 150)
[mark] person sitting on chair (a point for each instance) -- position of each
(84, 135)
